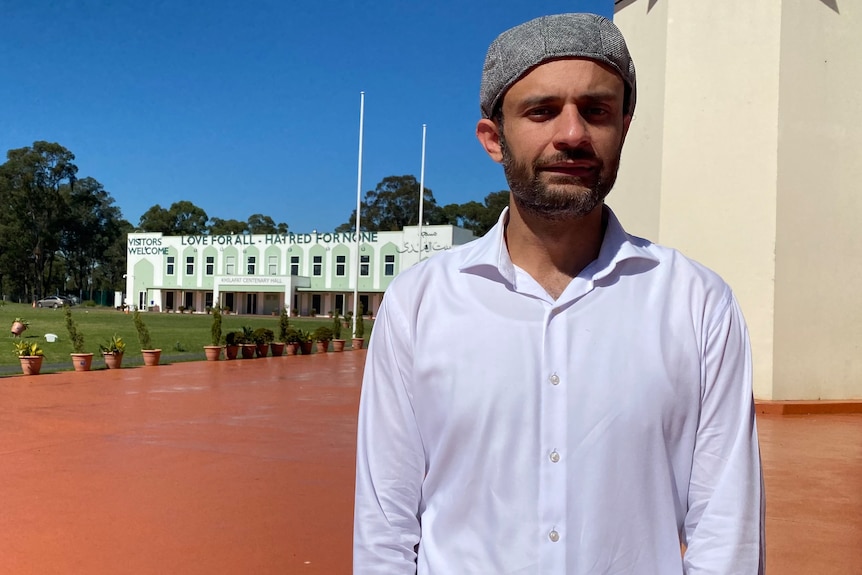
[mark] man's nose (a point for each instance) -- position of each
(572, 130)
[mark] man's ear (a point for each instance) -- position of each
(489, 136)
(627, 122)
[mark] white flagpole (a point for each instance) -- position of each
(421, 193)
(358, 212)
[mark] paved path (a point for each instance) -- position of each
(246, 467)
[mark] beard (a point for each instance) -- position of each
(562, 196)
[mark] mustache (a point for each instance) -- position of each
(567, 155)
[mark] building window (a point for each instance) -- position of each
(294, 265)
(208, 300)
(317, 269)
(364, 265)
(389, 268)
(171, 262)
(273, 265)
(190, 265)
(339, 265)
(210, 266)
(230, 265)
(250, 268)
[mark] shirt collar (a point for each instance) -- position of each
(489, 253)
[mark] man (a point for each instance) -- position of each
(558, 396)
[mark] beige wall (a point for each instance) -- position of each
(727, 160)
(636, 197)
(818, 295)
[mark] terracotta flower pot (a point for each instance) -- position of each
(151, 356)
(82, 361)
(31, 364)
(231, 351)
(18, 328)
(338, 345)
(113, 360)
(358, 342)
(291, 348)
(306, 347)
(322, 346)
(277, 348)
(213, 352)
(247, 350)
(262, 349)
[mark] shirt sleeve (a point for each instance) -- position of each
(390, 460)
(724, 525)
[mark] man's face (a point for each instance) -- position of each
(561, 137)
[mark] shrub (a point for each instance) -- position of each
(234, 338)
(283, 325)
(115, 345)
(336, 327)
(26, 348)
(143, 332)
(215, 330)
(323, 334)
(262, 335)
(247, 334)
(292, 336)
(75, 336)
(360, 324)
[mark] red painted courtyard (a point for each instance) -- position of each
(246, 467)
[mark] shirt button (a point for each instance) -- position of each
(554, 536)
(554, 457)
(554, 379)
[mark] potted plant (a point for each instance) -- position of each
(113, 352)
(278, 347)
(306, 341)
(358, 341)
(213, 351)
(232, 341)
(30, 355)
(262, 337)
(337, 342)
(81, 360)
(19, 324)
(292, 341)
(247, 346)
(151, 355)
(322, 335)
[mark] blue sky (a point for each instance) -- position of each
(253, 107)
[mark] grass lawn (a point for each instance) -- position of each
(181, 337)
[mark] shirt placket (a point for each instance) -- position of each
(554, 384)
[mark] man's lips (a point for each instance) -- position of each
(571, 168)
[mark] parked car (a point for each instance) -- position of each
(72, 299)
(53, 301)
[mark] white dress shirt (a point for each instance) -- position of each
(504, 432)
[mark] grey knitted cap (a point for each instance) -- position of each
(520, 49)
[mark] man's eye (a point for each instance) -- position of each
(596, 112)
(540, 113)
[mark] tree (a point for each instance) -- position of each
(33, 212)
(476, 217)
(261, 224)
(394, 204)
(93, 225)
(220, 227)
(183, 218)
(109, 273)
